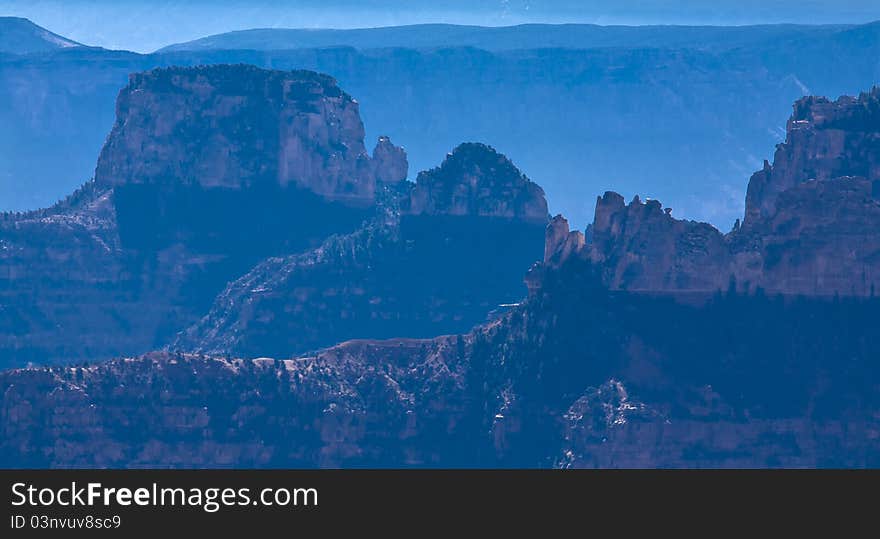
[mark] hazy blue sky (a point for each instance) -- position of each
(144, 25)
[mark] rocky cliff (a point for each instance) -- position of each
(601, 364)
(236, 127)
(627, 379)
(598, 366)
(577, 376)
(210, 176)
(206, 172)
(475, 180)
(810, 223)
(824, 140)
(345, 406)
(66, 288)
(441, 256)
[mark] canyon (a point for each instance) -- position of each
(207, 173)
(641, 341)
(700, 107)
(440, 257)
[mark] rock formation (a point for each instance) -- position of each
(207, 171)
(225, 174)
(434, 267)
(560, 241)
(577, 376)
(333, 409)
(810, 223)
(824, 140)
(389, 162)
(236, 127)
(597, 367)
(475, 180)
(642, 247)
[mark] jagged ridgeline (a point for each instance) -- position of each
(810, 227)
(211, 175)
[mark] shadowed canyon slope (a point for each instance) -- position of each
(442, 254)
(576, 377)
(601, 365)
(209, 171)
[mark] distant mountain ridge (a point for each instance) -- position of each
(498, 38)
(684, 125)
(21, 36)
